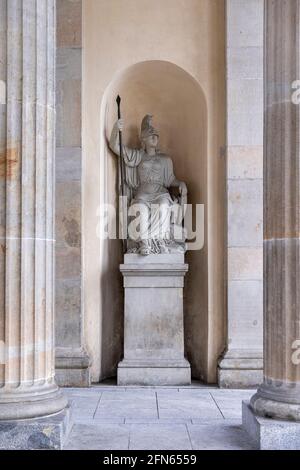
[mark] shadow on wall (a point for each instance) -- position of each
(178, 105)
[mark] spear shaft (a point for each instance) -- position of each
(121, 147)
(121, 175)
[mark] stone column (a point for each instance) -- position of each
(279, 395)
(27, 144)
(242, 363)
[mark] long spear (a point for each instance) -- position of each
(121, 176)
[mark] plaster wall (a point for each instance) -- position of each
(190, 35)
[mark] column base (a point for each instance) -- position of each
(274, 409)
(72, 367)
(167, 373)
(33, 403)
(36, 434)
(270, 434)
(240, 369)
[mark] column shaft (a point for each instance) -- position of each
(27, 386)
(279, 396)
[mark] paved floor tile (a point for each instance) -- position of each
(167, 392)
(159, 437)
(218, 437)
(129, 394)
(110, 420)
(84, 392)
(83, 408)
(231, 395)
(187, 407)
(157, 418)
(126, 410)
(188, 412)
(194, 392)
(102, 437)
(216, 421)
(230, 404)
(232, 413)
(104, 388)
(157, 421)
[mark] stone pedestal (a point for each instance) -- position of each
(153, 321)
(278, 398)
(27, 137)
(48, 433)
(270, 434)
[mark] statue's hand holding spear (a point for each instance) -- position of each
(120, 125)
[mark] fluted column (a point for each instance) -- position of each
(279, 395)
(27, 386)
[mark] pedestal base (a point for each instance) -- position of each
(153, 321)
(270, 434)
(239, 378)
(171, 373)
(72, 367)
(36, 434)
(240, 369)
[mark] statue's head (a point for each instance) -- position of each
(149, 135)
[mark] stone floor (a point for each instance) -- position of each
(157, 418)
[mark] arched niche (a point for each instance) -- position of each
(178, 105)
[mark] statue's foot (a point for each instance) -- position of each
(163, 249)
(144, 250)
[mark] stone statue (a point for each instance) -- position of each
(149, 178)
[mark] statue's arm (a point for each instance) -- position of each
(180, 185)
(173, 182)
(131, 157)
(114, 141)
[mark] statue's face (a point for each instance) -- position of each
(151, 141)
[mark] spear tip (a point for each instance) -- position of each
(118, 100)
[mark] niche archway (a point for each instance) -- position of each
(178, 105)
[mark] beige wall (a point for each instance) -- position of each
(189, 34)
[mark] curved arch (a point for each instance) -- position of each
(179, 107)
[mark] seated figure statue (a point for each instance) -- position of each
(149, 176)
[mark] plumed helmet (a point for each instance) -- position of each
(146, 128)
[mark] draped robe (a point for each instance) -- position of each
(150, 177)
